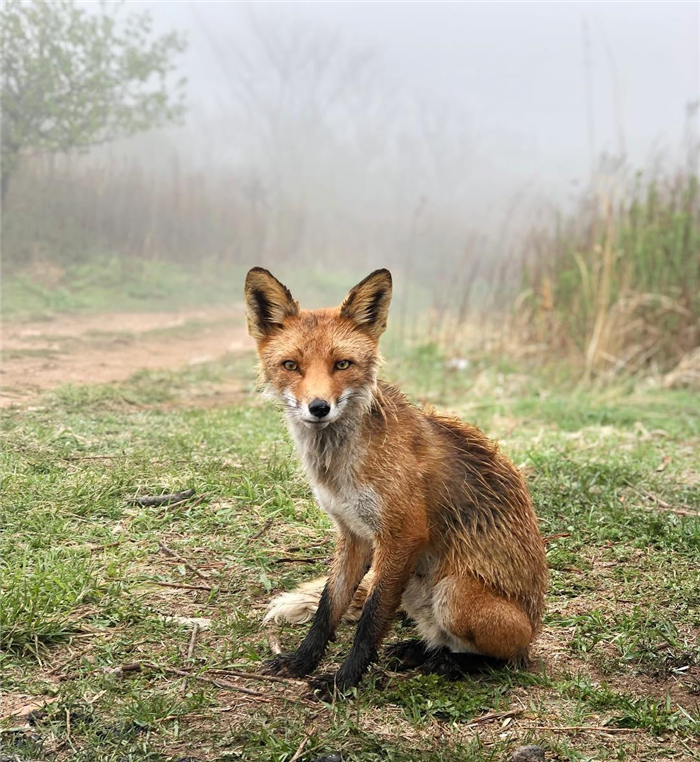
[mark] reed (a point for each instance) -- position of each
(615, 284)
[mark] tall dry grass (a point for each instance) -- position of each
(63, 211)
(615, 284)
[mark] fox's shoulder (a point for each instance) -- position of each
(390, 395)
(393, 410)
(392, 404)
(390, 398)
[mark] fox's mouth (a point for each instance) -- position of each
(315, 423)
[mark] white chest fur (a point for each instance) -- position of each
(356, 510)
(331, 460)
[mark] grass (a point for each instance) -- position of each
(84, 594)
(113, 284)
(614, 283)
(105, 283)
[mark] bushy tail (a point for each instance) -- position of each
(299, 605)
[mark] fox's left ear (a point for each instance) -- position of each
(368, 303)
(267, 303)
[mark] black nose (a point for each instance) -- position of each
(319, 408)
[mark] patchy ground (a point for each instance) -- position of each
(134, 632)
(105, 347)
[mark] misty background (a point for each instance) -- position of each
(473, 148)
(509, 96)
(507, 82)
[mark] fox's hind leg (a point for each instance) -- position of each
(477, 620)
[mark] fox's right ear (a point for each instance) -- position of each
(267, 303)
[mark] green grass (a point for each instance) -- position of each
(116, 284)
(82, 590)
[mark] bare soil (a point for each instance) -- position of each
(106, 347)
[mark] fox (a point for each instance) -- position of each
(431, 518)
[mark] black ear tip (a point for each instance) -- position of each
(256, 272)
(381, 273)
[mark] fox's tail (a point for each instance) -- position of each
(299, 605)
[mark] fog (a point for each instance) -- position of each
(509, 79)
(430, 136)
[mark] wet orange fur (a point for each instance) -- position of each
(442, 514)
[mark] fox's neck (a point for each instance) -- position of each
(331, 456)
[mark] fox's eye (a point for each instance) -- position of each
(343, 364)
(290, 365)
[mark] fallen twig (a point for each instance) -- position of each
(190, 653)
(108, 545)
(193, 504)
(226, 684)
(297, 548)
(662, 503)
(558, 536)
(579, 728)
(494, 716)
(299, 751)
(174, 497)
(132, 667)
(65, 663)
(169, 552)
(300, 559)
(264, 529)
(255, 676)
(74, 458)
(274, 642)
(194, 715)
(193, 642)
(218, 683)
(186, 587)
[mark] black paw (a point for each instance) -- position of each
(323, 687)
(408, 654)
(443, 663)
(331, 686)
(286, 665)
(455, 666)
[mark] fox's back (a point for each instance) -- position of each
(480, 515)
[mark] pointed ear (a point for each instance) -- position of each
(267, 303)
(368, 303)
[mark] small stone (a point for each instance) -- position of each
(528, 754)
(329, 758)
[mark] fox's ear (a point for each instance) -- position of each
(267, 303)
(368, 303)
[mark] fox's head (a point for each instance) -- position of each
(321, 364)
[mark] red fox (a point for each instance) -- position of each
(442, 517)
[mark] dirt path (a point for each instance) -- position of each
(100, 348)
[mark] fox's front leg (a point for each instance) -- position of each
(350, 563)
(393, 564)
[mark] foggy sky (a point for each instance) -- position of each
(510, 74)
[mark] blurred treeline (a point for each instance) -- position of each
(613, 283)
